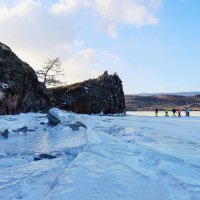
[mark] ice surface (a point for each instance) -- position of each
(132, 157)
(20, 176)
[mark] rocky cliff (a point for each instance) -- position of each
(20, 90)
(102, 95)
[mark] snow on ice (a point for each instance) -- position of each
(124, 157)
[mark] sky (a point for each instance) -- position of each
(153, 45)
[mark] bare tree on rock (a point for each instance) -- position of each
(50, 73)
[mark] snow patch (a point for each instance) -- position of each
(86, 89)
(2, 95)
(3, 85)
(4, 47)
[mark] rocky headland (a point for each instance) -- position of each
(102, 95)
(20, 91)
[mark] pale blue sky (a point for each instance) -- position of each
(154, 45)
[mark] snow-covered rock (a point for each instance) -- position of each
(56, 116)
(3, 86)
(4, 47)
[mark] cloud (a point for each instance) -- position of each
(112, 13)
(37, 30)
(31, 29)
(20, 10)
(68, 6)
(89, 63)
(36, 35)
(30, 21)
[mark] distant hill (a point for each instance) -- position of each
(148, 103)
(186, 94)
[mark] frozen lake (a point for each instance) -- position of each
(118, 158)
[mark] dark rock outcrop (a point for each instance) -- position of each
(24, 129)
(76, 125)
(44, 156)
(102, 95)
(4, 133)
(20, 90)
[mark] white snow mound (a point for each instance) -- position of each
(64, 116)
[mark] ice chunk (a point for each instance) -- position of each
(66, 118)
(63, 116)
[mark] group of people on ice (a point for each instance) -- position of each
(187, 112)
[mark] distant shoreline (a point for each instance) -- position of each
(161, 114)
(149, 103)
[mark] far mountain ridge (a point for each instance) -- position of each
(186, 94)
(149, 103)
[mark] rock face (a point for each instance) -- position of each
(20, 90)
(102, 95)
(4, 133)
